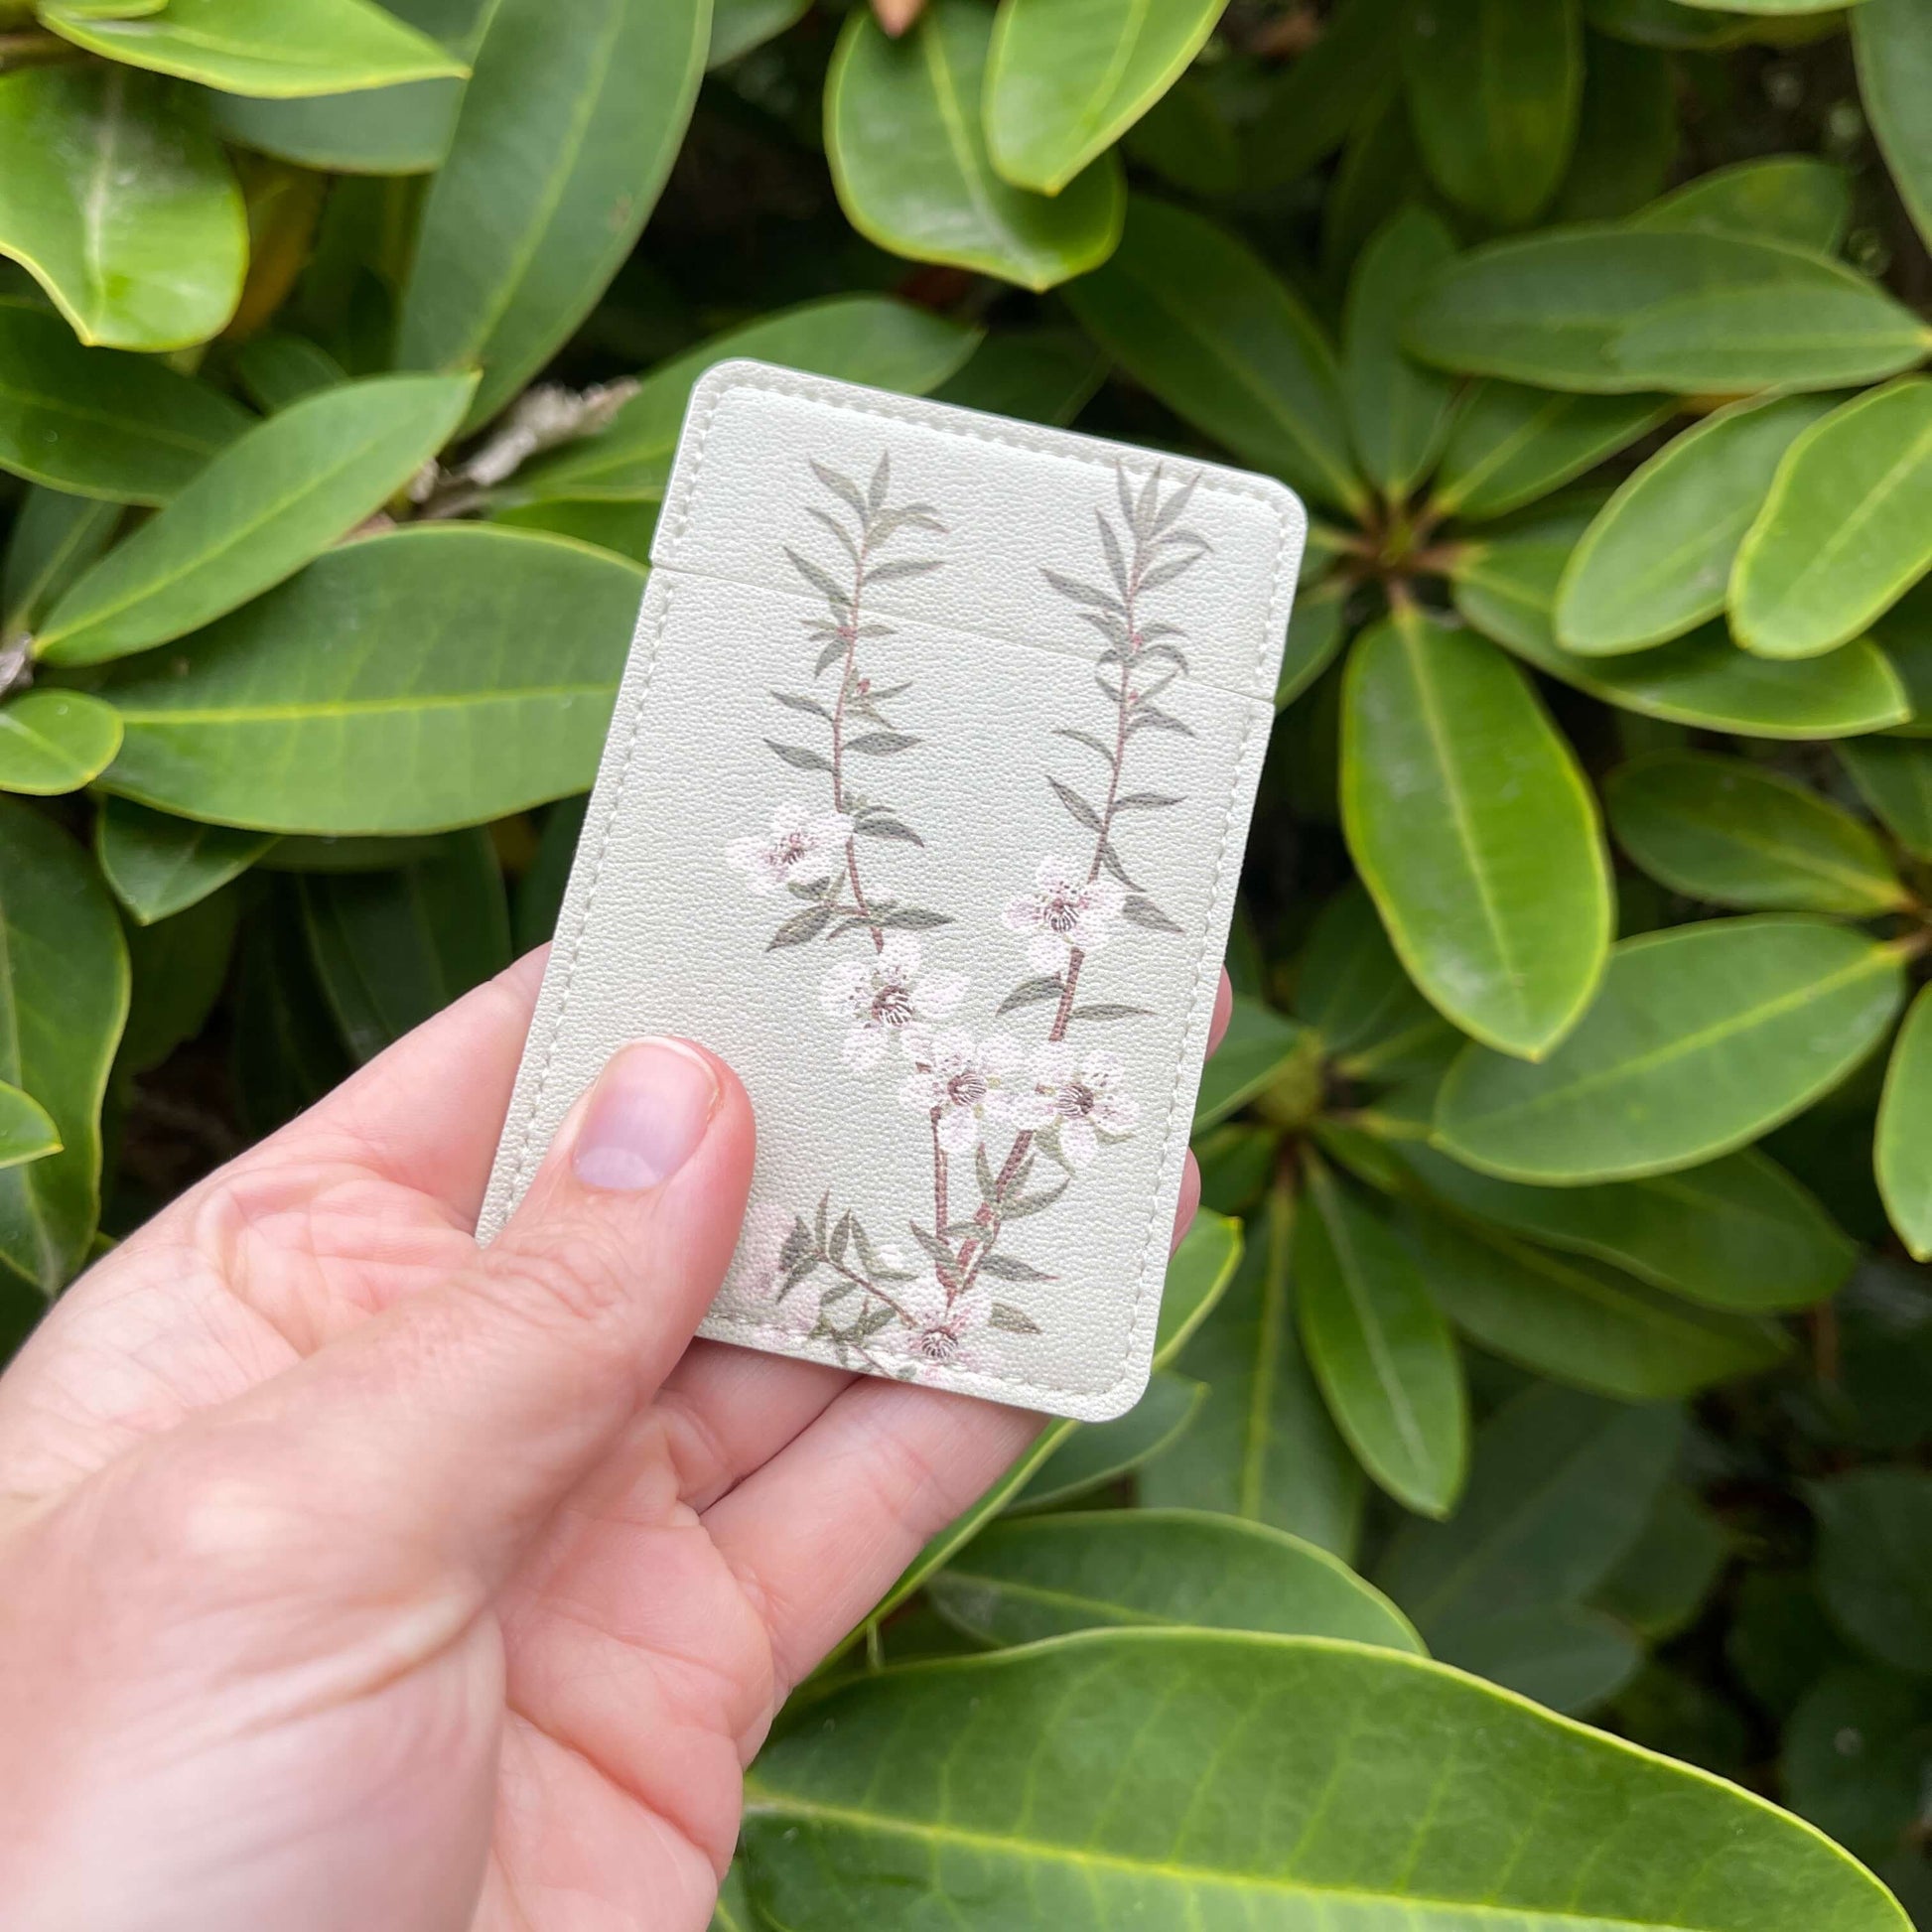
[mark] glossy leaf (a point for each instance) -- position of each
(1384, 1357)
(738, 26)
(1076, 1783)
(1101, 1453)
(158, 866)
(278, 370)
(1795, 199)
(1846, 529)
(1904, 1144)
(1875, 1561)
(487, 664)
(27, 1132)
(1475, 831)
(1894, 778)
(1314, 101)
(1892, 40)
(54, 537)
(123, 210)
(1657, 560)
(62, 1000)
(1734, 833)
(1259, 1048)
(55, 740)
(1195, 316)
(1494, 92)
(567, 130)
(268, 505)
(903, 134)
(1063, 82)
(1702, 1038)
(1353, 991)
(1509, 446)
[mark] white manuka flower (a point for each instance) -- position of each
(885, 990)
(1083, 1098)
(802, 848)
(1065, 913)
(936, 1331)
(958, 1079)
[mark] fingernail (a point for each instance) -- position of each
(648, 1111)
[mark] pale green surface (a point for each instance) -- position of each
(1903, 1149)
(1258, 1045)
(1702, 1038)
(1895, 777)
(27, 1133)
(903, 134)
(269, 503)
(123, 210)
(1846, 528)
(483, 667)
(1509, 444)
(1474, 830)
(1066, 78)
(55, 538)
(1892, 40)
(1656, 562)
(53, 741)
(158, 866)
(1232, 1782)
(1798, 199)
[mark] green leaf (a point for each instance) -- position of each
(1507, 590)
(1259, 1048)
(1665, 23)
(568, 128)
(1509, 446)
(1100, 1454)
(1372, 1022)
(1626, 132)
(27, 1132)
(158, 866)
(486, 664)
(286, 1053)
(1892, 40)
(1195, 316)
(1736, 1233)
(1398, 411)
(903, 134)
(1384, 1357)
(1494, 90)
(123, 210)
(539, 897)
(1656, 562)
(1875, 1561)
(1894, 778)
(738, 26)
(1702, 1038)
(1615, 310)
(1665, 1578)
(1855, 1755)
(868, 338)
(268, 505)
(63, 1001)
(278, 370)
(1315, 101)
(1476, 832)
(1186, 139)
(97, 422)
(1796, 198)
(1041, 375)
(392, 948)
(1846, 529)
(1903, 1149)
(1048, 1575)
(54, 537)
(1215, 1778)
(1065, 83)
(179, 969)
(1263, 1448)
(1315, 632)
(1734, 833)
(52, 741)
(1569, 1656)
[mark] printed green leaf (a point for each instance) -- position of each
(1398, 411)
(1475, 831)
(1615, 310)
(1048, 1575)
(903, 134)
(1090, 1779)
(55, 538)
(1892, 40)
(158, 866)
(1656, 562)
(1262, 1448)
(868, 338)
(1702, 1038)
(1875, 1561)
(1894, 778)
(392, 948)
(1795, 199)
(63, 1001)
(568, 128)
(1102, 1452)
(55, 741)
(1258, 1049)
(97, 422)
(1384, 1357)
(268, 505)
(1065, 83)
(1736, 1233)
(27, 1133)
(1507, 590)
(1846, 529)
(1903, 1149)
(123, 210)
(1494, 90)
(1189, 312)
(1509, 446)
(482, 681)
(1734, 833)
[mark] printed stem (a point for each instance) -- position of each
(871, 1288)
(850, 629)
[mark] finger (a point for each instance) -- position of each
(1223, 1012)
(1189, 1204)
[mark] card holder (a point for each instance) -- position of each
(924, 804)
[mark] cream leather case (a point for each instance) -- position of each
(924, 804)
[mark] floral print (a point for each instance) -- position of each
(940, 1326)
(802, 848)
(1083, 1098)
(1066, 912)
(958, 1081)
(882, 994)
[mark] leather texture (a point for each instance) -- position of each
(924, 804)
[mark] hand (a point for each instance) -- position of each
(352, 1577)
